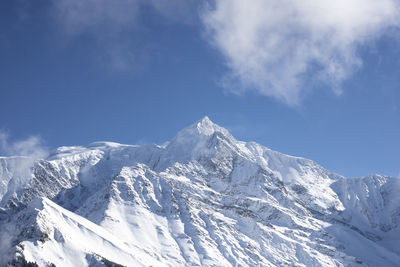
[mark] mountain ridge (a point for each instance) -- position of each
(204, 199)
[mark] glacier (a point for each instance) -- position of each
(202, 199)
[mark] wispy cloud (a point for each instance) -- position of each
(280, 48)
(79, 16)
(114, 25)
(32, 147)
(108, 23)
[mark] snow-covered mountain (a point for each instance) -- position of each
(203, 199)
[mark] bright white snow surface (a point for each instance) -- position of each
(204, 199)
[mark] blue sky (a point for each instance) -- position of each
(307, 79)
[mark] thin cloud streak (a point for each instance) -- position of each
(280, 48)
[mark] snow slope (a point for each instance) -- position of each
(203, 199)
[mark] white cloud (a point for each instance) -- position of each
(272, 46)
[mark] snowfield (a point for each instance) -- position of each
(203, 199)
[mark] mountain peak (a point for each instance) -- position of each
(206, 126)
(205, 120)
(194, 137)
(203, 127)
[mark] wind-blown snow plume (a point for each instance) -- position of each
(273, 46)
(30, 147)
(25, 153)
